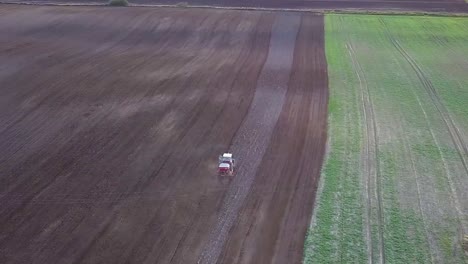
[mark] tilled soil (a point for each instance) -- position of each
(278, 205)
(253, 136)
(112, 121)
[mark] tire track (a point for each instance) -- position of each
(453, 130)
(435, 252)
(253, 136)
(445, 44)
(272, 225)
(370, 159)
(418, 191)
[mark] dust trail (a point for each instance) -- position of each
(252, 138)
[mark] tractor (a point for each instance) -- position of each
(226, 164)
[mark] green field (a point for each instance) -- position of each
(394, 186)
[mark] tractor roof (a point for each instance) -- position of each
(227, 155)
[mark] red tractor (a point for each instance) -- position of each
(226, 164)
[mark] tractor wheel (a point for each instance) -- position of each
(465, 244)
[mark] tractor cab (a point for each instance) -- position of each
(226, 164)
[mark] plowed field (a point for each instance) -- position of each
(111, 121)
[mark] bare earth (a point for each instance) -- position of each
(111, 121)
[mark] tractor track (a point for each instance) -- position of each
(421, 210)
(370, 158)
(453, 130)
(444, 44)
(295, 180)
(434, 252)
(434, 249)
(365, 179)
(253, 136)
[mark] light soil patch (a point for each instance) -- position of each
(253, 136)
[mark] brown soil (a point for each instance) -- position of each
(280, 200)
(112, 120)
